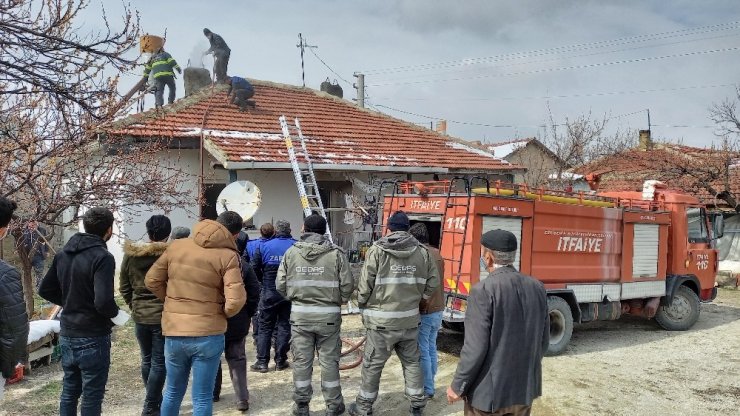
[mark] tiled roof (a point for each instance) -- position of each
(628, 170)
(338, 133)
(506, 148)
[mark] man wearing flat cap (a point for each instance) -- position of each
(398, 273)
(506, 334)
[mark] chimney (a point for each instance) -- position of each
(195, 79)
(442, 127)
(646, 143)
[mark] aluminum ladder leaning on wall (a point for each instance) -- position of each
(305, 179)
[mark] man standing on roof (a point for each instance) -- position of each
(221, 53)
(240, 91)
(398, 273)
(160, 69)
(274, 309)
(507, 331)
(315, 277)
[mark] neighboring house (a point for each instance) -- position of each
(353, 149)
(544, 167)
(701, 172)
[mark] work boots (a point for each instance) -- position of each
(259, 367)
(416, 411)
(301, 409)
(355, 411)
(339, 410)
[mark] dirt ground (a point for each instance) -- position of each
(627, 367)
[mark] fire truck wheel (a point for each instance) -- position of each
(561, 325)
(683, 312)
(454, 326)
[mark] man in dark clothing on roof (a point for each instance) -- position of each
(80, 280)
(506, 333)
(274, 309)
(398, 273)
(221, 53)
(13, 317)
(240, 91)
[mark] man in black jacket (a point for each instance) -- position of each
(13, 317)
(506, 333)
(80, 280)
(237, 329)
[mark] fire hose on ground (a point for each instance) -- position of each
(353, 347)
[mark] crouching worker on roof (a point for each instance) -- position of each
(314, 275)
(240, 91)
(161, 70)
(398, 274)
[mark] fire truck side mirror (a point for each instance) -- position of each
(718, 225)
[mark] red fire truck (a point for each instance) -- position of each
(600, 256)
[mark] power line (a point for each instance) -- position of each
(329, 68)
(488, 68)
(560, 49)
(512, 126)
(550, 97)
(571, 67)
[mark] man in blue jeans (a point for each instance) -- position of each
(80, 280)
(200, 281)
(431, 314)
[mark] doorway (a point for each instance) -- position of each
(434, 226)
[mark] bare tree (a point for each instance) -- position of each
(54, 95)
(579, 141)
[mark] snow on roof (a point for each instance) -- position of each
(505, 149)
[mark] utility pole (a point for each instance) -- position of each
(360, 86)
(303, 45)
(648, 117)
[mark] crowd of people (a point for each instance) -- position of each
(193, 298)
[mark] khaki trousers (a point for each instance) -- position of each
(516, 410)
(305, 342)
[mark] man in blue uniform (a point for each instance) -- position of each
(274, 309)
(240, 91)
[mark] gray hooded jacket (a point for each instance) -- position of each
(314, 275)
(398, 273)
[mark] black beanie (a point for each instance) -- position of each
(399, 221)
(314, 223)
(158, 227)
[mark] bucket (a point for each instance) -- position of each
(150, 43)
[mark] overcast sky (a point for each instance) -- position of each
(616, 70)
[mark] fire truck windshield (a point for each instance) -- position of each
(697, 225)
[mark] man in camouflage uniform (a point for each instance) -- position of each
(314, 275)
(398, 273)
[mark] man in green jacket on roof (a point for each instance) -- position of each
(398, 273)
(160, 69)
(314, 275)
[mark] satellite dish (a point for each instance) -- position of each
(242, 197)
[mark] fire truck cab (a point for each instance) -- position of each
(599, 256)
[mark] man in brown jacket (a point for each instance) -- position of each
(431, 314)
(200, 281)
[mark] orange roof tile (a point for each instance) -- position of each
(337, 132)
(628, 170)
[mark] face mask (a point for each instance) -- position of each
(483, 264)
